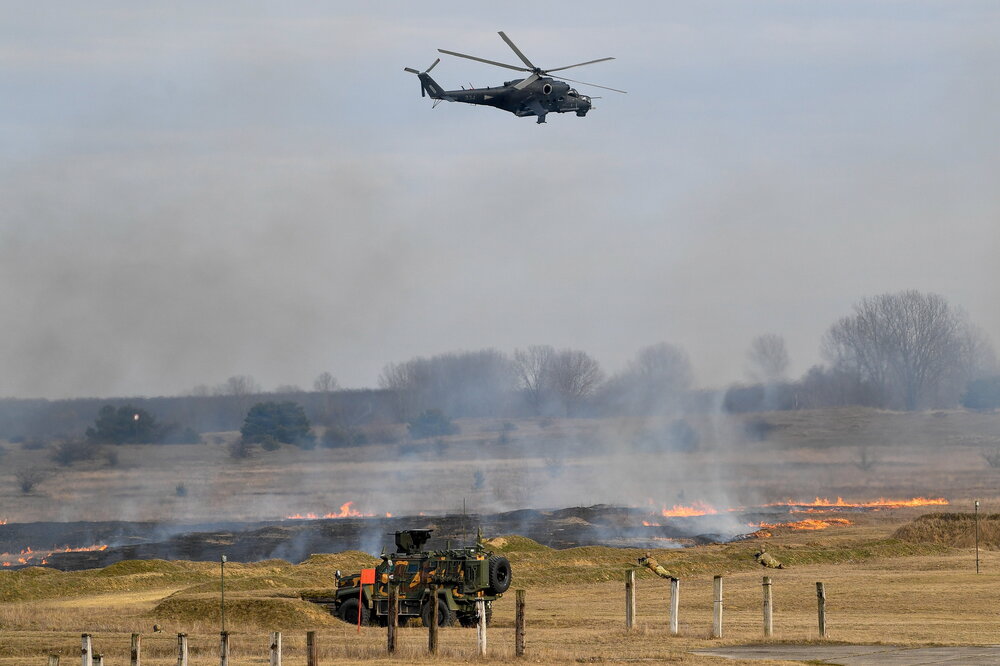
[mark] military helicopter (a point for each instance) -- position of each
(535, 95)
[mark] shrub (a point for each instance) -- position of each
(127, 424)
(431, 423)
(70, 451)
(286, 422)
(337, 436)
(33, 444)
(269, 443)
(240, 449)
(180, 490)
(982, 394)
(28, 479)
(992, 457)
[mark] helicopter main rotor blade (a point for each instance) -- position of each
(516, 50)
(526, 82)
(488, 62)
(579, 64)
(594, 85)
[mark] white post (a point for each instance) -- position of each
(86, 650)
(481, 626)
(275, 648)
(717, 608)
(675, 600)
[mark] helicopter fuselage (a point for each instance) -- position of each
(542, 96)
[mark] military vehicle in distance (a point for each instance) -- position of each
(461, 576)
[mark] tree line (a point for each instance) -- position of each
(906, 351)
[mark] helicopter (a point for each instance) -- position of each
(535, 95)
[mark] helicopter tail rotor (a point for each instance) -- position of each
(427, 84)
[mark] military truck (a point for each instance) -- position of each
(461, 576)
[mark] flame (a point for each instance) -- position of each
(28, 555)
(808, 524)
(881, 502)
(696, 509)
(346, 511)
(3, 521)
(646, 523)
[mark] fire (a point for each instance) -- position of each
(874, 504)
(696, 509)
(347, 510)
(647, 523)
(808, 524)
(28, 556)
(3, 521)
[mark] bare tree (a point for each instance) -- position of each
(326, 383)
(534, 368)
(767, 359)
(475, 383)
(913, 348)
(242, 388)
(655, 381)
(574, 376)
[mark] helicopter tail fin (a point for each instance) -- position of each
(428, 86)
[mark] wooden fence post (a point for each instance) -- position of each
(519, 623)
(275, 648)
(224, 648)
(675, 602)
(481, 626)
(432, 629)
(821, 603)
(53, 660)
(135, 651)
(182, 650)
(312, 651)
(86, 650)
(717, 608)
(768, 608)
(629, 599)
(393, 618)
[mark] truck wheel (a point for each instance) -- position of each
(445, 616)
(499, 574)
(349, 612)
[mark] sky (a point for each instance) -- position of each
(192, 191)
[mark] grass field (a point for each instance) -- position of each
(556, 464)
(889, 577)
(880, 589)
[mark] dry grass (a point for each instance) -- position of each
(889, 577)
(808, 453)
(879, 590)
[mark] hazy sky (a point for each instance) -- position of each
(190, 191)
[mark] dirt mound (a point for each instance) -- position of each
(955, 530)
(512, 543)
(273, 613)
